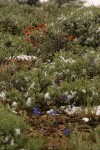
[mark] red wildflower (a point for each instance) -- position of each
(70, 37)
(37, 28)
(29, 27)
(27, 32)
(1, 69)
(42, 25)
(6, 66)
(10, 60)
(44, 30)
(35, 43)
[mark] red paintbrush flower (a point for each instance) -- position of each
(27, 32)
(35, 43)
(1, 69)
(42, 25)
(70, 37)
(29, 27)
(37, 28)
(6, 66)
(10, 60)
(44, 30)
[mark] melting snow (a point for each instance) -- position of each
(91, 3)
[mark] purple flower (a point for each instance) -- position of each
(53, 112)
(91, 59)
(52, 102)
(36, 112)
(67, 132)
(64, 97)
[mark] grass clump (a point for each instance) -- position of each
(12, 132)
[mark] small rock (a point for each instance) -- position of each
(85, 119)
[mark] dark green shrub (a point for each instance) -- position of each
(84, 27)
(29, 2)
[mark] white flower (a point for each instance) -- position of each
(66, 93)
(3, 96)
(84, 71)
(47, 96)
(92, 52)
(67, 71)
(53, 83)
(22, 88)
(98, 30)
(25, 57)
(70, 97)
(73, 93)
(28, 103)
(45, 73)
(83, 90)
(12, 142)
(62, 17)
(27, 79)
(62, 107)
(14, 104)
(17, 131)
(26, 94)
(13, 111)
(6, 139)
(52, 24)
(69, 61)
(98, 111)
(85, 119)
(32, 86)
(62, 58)
(16, 81)
(22, 149)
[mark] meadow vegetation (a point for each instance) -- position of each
(49, 57)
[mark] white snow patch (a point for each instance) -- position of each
(91, 3)
(44, 1)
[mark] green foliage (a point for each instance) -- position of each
(9, 139)
(66, 71)
(14, 95)
(84, 27)
(29, 2)
(9, 122)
